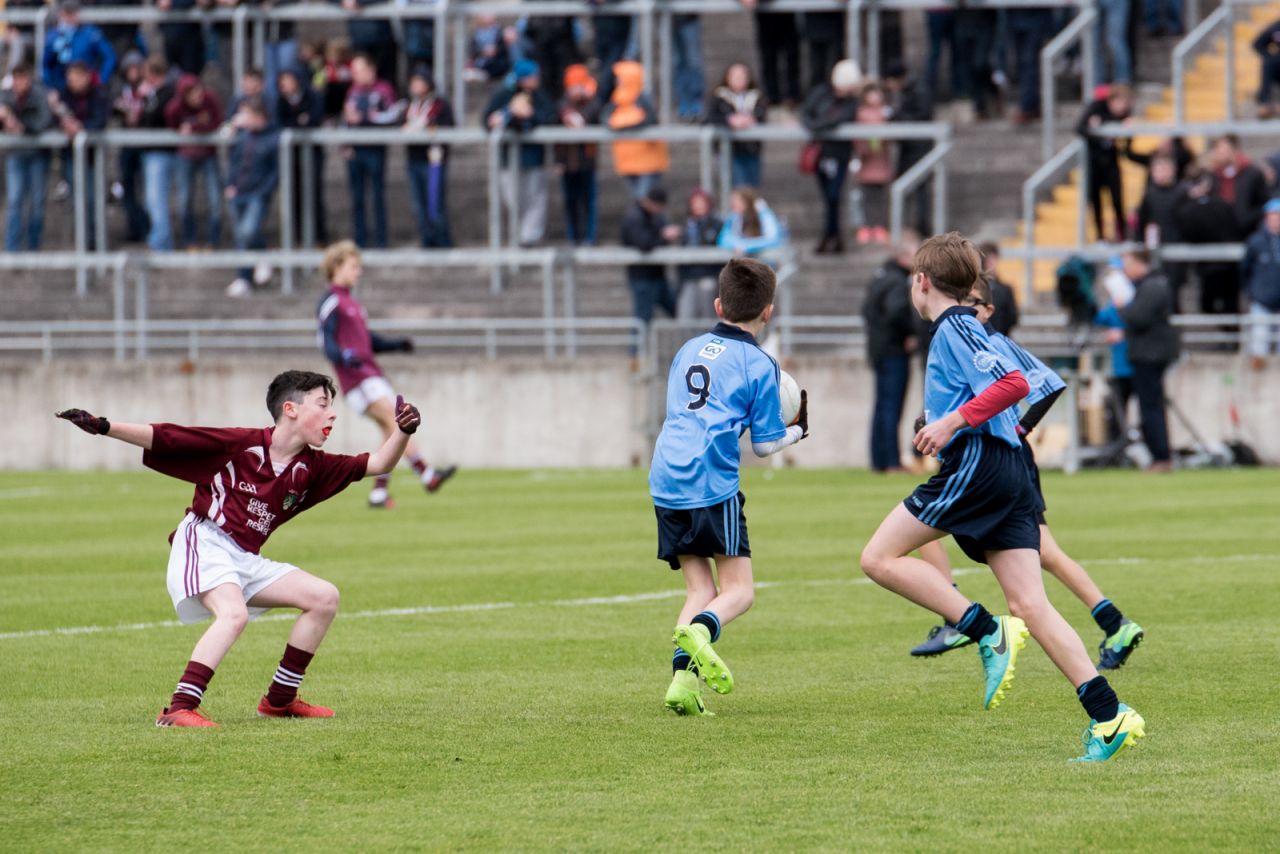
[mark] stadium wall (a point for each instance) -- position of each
(521, 412)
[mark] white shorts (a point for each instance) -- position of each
(203, 557)
(370, 390)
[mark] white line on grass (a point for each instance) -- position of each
(589, 601)
(23, 492)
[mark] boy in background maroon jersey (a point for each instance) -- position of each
(250, 481)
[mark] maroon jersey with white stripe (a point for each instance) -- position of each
(343, 317)
(237, 487)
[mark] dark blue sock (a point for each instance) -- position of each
(976, 623)
(1107, 616)
(680, 660)
(1098, 699)
(711, 621)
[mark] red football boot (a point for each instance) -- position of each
(297, 708)
(183, 717)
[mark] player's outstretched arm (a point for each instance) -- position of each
(135, 434)
(385, 458)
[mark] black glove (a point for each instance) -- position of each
(405, 345)
(407, 416)
(919, 424)
(86, 422)
(802, 417)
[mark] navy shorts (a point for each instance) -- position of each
(1033, 471)
(720, 529)
(982, 496)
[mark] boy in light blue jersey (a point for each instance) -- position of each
(721, 385)
(1121, 636)
(983, 496)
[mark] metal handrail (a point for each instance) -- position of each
(1074, 150)
(1191, 42)
(1074, 32)
(913, 177)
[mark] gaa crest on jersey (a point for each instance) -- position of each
(712, 349)
(985, 361)
(290, 501)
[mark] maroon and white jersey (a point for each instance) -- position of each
(237, 487)
(345, 338)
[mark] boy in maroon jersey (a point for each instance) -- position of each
(350, 346)
(250, 481)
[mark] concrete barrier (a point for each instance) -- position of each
(517, 412)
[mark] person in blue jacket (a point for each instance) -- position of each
(752, 227)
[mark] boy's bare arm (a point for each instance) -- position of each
(135, 434)
(385, 458)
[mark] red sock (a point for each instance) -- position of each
(191, 687)
(284, 686)
(419, 464)
(382, 481)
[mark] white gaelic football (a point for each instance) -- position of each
(789, 394)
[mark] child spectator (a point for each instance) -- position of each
(826, 108)
(576, 162)
(195, 110)
(337, 77)
(371, 102)
(645, 228)
(490, 55)
(875, 168)
(522, 105)
(1104, 166)
(1260, 273)
(24, 111)
(696, 296)
(127, 107)
(253, 85)
(82, 105)
(751, 227)
(738, 104)
(428, 165)
(253, 170)
(641, 163)
(300, 106)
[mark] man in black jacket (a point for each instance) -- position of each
(645, 228)
(888, 322)
(1153, 346)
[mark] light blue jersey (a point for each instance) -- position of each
(1043, 380)
(962, 365)
(721, 385)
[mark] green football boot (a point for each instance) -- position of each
(684, 696)
(1116, 649)
(999, 651)
(1105, 740)
(695, 639)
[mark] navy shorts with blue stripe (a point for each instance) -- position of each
(982, 496)
(720, 529)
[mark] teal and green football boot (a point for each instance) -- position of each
(999, 651)
(684, 696)
(1116, 649)
(695, 639)
(941, 639)
(1105, 740)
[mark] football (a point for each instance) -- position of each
(789, 394)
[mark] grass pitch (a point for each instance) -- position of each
(520, 705)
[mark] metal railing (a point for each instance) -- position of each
(1193, 41)
(1073, 152)
(1079, 31)
(248, 26)
(714, 144)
